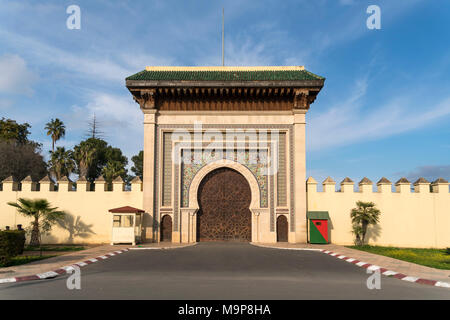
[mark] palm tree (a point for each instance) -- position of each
(43, 214)
(84, 154)
(112, 170)
(61, 162)
(56, 129)
(362, 216)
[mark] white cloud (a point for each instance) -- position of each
(350, 122)
(15, 76)
(120, 119)
(246, 53)
(92, 65)
(430, 172)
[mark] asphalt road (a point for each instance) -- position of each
(221, 271)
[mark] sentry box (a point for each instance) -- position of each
(126, 225)
(318, 227)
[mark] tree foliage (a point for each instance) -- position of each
(13, 132)
(61, 162)
(19, 156)
(94, 157)
(138, 164)
(21, 161)
(364, 215)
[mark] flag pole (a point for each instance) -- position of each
(223, 36)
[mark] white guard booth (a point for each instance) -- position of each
(126, 225)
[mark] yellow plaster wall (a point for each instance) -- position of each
(91, 207)
(408, 219)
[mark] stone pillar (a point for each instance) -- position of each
(300, 235)
(188, 231)
(403, 186)
(365, 185)
(10, 184)
(347, 185)
(440, 185)
(118, 184)
(422, 185)
(28, 185)
(256, 228)
(384, 186)
(46, 184)
(100, 184)
(83, 185)
(329, 185)
(64, 184)
(136, 184)
(150, 231)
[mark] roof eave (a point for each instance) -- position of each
(189, 83)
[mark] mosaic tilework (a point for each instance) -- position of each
(232, 126)
(250, 159)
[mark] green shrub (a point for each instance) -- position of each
(11, 245)
(447, 251)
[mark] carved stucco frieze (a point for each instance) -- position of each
(303, 98)
(145, 98)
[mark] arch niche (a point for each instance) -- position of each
(166, 228)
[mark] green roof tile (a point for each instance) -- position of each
(277, 75)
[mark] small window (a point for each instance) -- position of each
(127, 221)
(116, 221)
(123, 221)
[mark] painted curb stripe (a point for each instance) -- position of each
(410, 279)
(383, 271)
(387, 272)
(425, 281)
(45, 275)
(60, 271)
(442, 284)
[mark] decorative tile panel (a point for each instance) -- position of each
(257, 165)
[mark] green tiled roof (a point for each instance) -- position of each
(272, 75)
(322, 215)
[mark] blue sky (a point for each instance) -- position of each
(384, 109)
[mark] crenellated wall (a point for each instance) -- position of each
(410, 217)
(88, 219)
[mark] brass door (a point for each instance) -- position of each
(224, 197)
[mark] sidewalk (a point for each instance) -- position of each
(68, 259)
(400, 266)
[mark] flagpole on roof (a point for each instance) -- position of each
(223, 36)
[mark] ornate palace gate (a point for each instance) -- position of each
(224, 197)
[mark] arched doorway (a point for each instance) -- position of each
(224, 198)
(166, 228)
(282, 229)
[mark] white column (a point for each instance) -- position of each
(149, 173)
(300, 234)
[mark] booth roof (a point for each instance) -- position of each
(126, 209)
